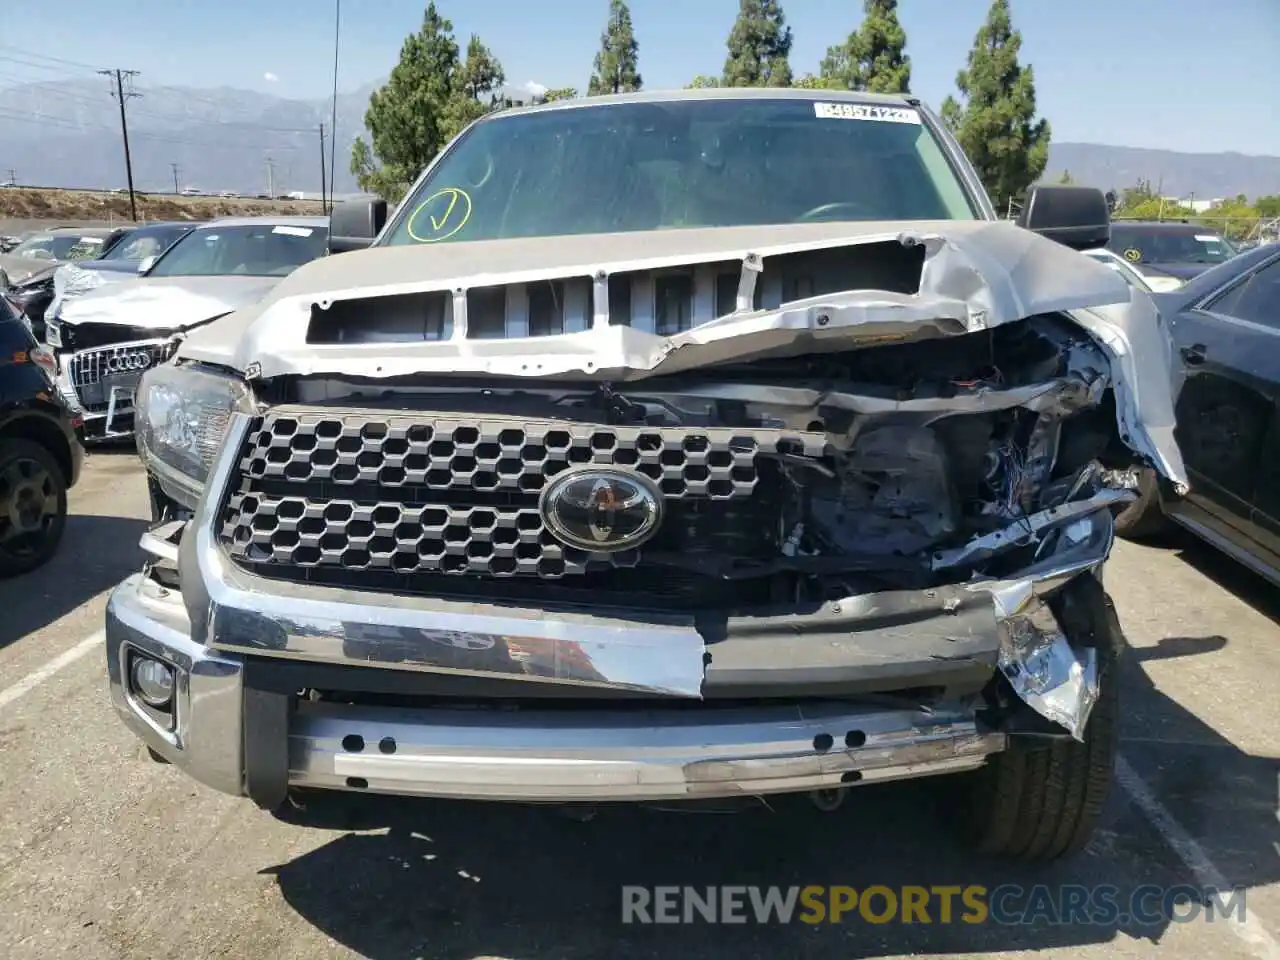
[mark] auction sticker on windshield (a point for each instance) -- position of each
(865, 111)
(440, 216)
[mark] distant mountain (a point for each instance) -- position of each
(67, 134)
(1207, 176)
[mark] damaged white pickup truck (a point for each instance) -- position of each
(682, 445)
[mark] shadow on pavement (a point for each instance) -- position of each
(1233, 577)
(460, 880)
(95, 554)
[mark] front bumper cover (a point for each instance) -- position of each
(223, 734)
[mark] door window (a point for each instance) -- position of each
(1256, 298)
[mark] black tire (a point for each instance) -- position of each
(1144, 517)
(1043, 804)
(30, 466)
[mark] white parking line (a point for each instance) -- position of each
(37, 677)
(1249, 929)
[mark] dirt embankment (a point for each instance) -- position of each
(72, 206)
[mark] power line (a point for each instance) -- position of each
(121, 96)
(77, 126)
(46, 88)
(60, 122)
(23, 51)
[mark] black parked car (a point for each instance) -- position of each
(40, 452)
(1182, 250)
(1226, 326)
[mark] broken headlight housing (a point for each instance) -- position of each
(182, 414)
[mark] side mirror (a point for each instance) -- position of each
(4, 280)
(1076, 217)
(146, 263)
(353, 224)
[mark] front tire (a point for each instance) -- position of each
(1043, 804)
(33, 506)
(1144, 517)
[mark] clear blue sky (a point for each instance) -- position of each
(1176, 74)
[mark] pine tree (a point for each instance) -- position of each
(759, 47)
(872, 57)
(477, 89)
(429, 98)
(996, 126)
(616, 68)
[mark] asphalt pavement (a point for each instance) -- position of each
(104, 854)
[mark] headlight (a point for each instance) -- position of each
(181, 418)
(52, 332)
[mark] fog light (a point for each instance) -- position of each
(152, 681)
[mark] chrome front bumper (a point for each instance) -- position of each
(532, 755)
(815, 682)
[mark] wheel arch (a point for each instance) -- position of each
(42, 430)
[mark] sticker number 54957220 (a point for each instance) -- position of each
(866, 111)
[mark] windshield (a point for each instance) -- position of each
(1155, 245)
(147, 242)
(255, 250)
(684, 163)
(47, 246)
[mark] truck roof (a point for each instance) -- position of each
(722, 93)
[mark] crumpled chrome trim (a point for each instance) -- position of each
(1052, 677)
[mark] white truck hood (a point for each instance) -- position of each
(163, 303)
(976, 275)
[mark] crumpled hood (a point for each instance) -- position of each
(976, 275)
(36, 276)
(21, 268)
(165, 303)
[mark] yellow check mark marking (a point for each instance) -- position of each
(453, 202)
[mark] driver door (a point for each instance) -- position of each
(1228, 418)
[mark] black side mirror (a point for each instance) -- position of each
(354, 223)
(1076, 217)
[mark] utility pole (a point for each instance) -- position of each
(333, 119)
(124, 128)
(176, 189)
(323, 158)
(271, 178)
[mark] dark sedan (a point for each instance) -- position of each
(1182, 250)
(1226, 326)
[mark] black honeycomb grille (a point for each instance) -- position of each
(363, 491)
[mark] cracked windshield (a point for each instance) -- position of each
(756, 478)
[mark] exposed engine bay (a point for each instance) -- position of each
(908, 465)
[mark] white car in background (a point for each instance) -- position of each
(1152, 281)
